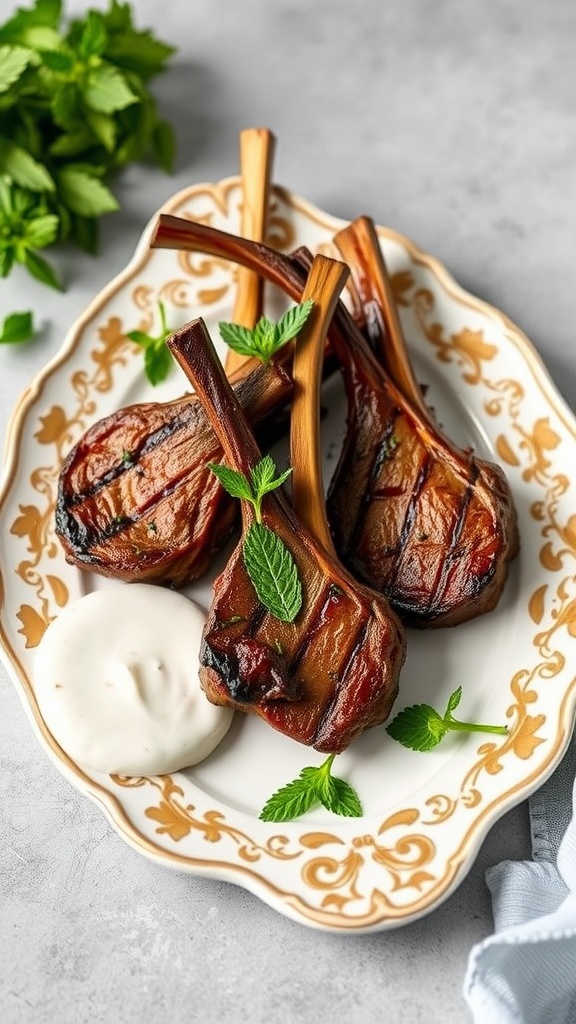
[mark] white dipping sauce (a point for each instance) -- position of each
(116, 680)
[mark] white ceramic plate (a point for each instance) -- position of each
(425, 814)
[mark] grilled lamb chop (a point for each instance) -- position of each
(135, 498)
(333, 671)
(424, 521)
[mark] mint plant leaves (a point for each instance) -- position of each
(266, 338)
(420, 727)
(75, 107)
(313, 787)
(269, 563)
(273, 572)
(157, 357)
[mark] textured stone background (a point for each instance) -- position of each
(453, 123)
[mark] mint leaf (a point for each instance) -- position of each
(157, 357)
(65, 107)
(164, 145)
(23, 169)
(84, 194)
(157, 363)
(269, 563)
(420, 727)
(292, 322)
(264, 477)
(454, 700)
(94, 37)
(65, 97)
(106, 90)
(42, 231)
(13, 62)
(42, 13)
(104, 128)
(341, 798)
(140, 338)
(7, 261)
(312, 787)
(266, 338)
(41, 270)
(273, 572)
(40, 38)
(72, 143)
(238, 338)
(56, 60)
(232, 481)
(293, 799)
(139, 52)
(17, 327)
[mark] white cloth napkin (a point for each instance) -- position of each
(526, 972)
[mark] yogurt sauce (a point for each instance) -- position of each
(116, 680)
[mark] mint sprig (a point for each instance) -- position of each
(267, 337)
(26, 225)
(273, 572)
(421, 727)
(75, 107)
(313, 787)
(157, 357)
(269, 564)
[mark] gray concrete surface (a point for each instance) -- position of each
(453, 123)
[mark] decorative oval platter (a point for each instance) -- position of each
(425, 814)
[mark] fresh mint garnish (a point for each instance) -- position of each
(273, 572)
(157, 356)
(266, 338)
(313, 786)
(16, 328)
(421, 727)
(269, 563)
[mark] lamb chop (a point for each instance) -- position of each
(135, 498)
(428, 523)
(332, 671)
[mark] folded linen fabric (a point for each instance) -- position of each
(526, 972)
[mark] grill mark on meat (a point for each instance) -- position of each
(410, 515)
(380, 456)
(256, 620)
(434, 603)
(453, 553)
(152, 441)
(82, 538)
(340, 681)
(224, 660)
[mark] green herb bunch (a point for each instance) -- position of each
(74, 108)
